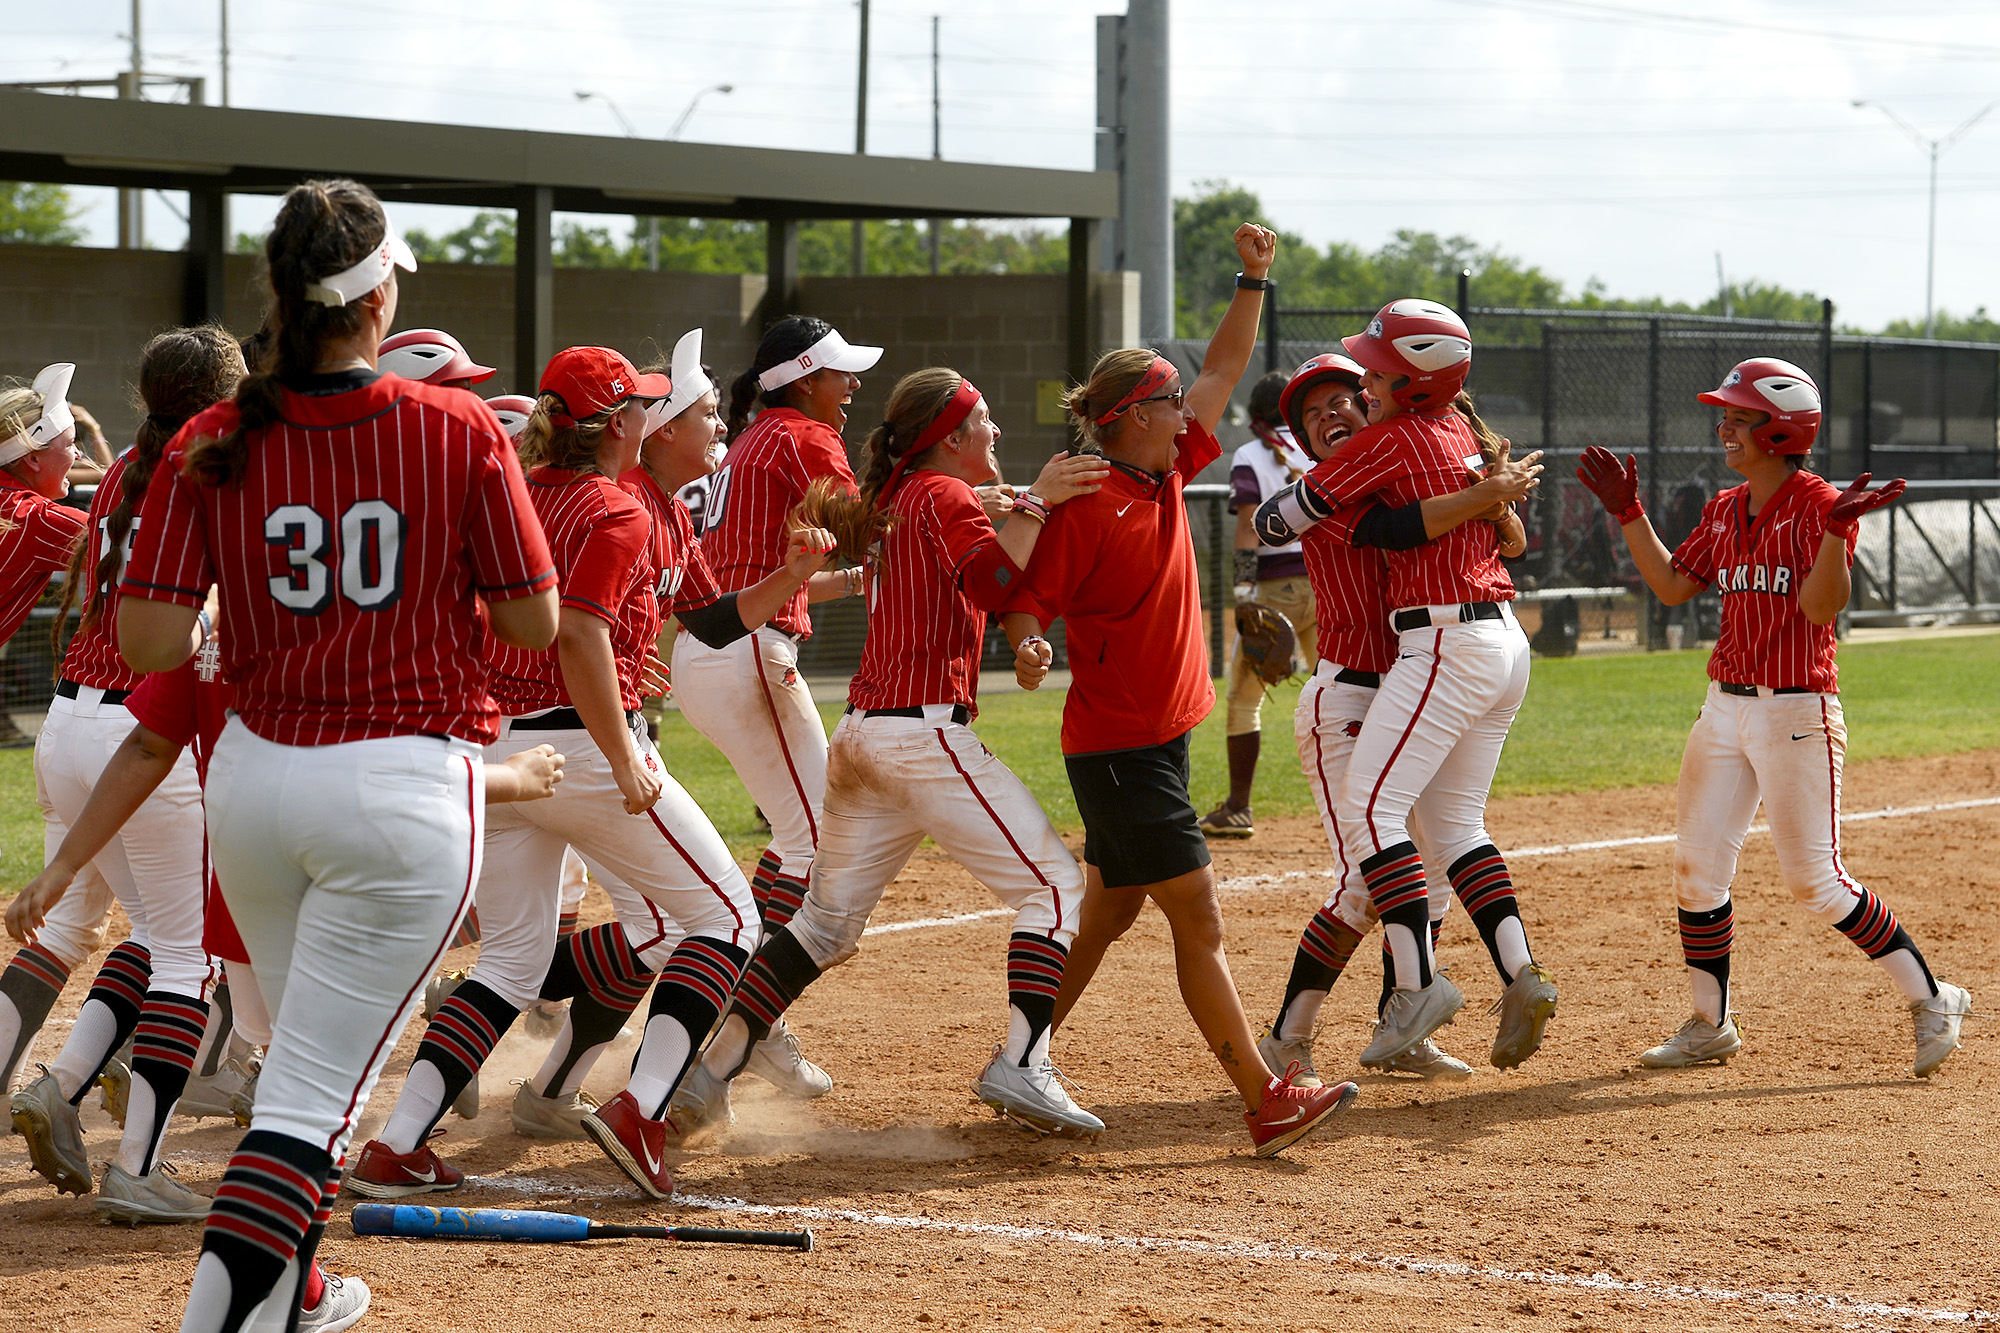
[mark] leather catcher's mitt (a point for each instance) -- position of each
(1268, 640)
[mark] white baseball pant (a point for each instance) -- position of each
(1434, 732)
(893, 780)
(1787, 749)
(749, 700)
(153, 865)
(1327, 722)
(347, 868)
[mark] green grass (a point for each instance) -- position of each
(1589, 723)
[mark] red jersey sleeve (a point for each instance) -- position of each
(1196, 449)
(510, 556)
(1698, 554)
(1063, 555)
(53, 533)
(600, 575)
(170, 557)
(1357, 471)
(164, 704)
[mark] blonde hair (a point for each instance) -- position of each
(20, 408)
(1110, 380)
(1489, 439)
(857, 521)
(542, 443)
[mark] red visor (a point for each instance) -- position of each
(954, 415)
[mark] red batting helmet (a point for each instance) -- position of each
(513, 409)
(1292, 402)
(431, 356)
(1425, 343)
(1781, 391)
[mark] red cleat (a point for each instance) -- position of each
(381, 1174)
(636, 1144)
(1289, 1113)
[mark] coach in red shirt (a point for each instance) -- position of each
(1118, 567)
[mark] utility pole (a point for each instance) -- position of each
(1935, 148)
(1133, 133)
(132, 203)
(1722, 285)
(937, 137)
(860, 265)
(225, 52)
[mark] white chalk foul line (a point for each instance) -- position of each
(1240, 882)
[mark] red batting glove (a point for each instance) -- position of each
(1617, 487)
(1844, 518)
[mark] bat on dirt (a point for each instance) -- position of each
(403, 1219)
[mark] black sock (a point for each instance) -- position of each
(266, 1203)
(776, 977)
(1481, 881)
(1877, 932)
(120, 987)
(694, 985)
(1706, 938)
(31, 982)
(222, 1021)
(604, 979)
(1395, 878)
(1325, 946)
(1389, 967)
(1242, 767)
(468, 1025)
(1034, 975)
(168, 1037)
(760, 880)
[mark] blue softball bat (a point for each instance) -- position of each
(515, 1224)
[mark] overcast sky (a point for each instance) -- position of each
(1627, 140)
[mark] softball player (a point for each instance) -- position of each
(1274, 576)
(904, 763)
(1125, 588)
(353, 521)
(37, 537)
(1433, 734)
(153, 988)
(748, 699)
(1778, 548)
(1323, 404)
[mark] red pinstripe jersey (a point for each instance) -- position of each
(349, 559)
(1118, 566)
(1350, 588)
(1413, 457)
(93, 657)
(924, 633)
(767, 471)
(1758, 565)
(685, 582)
(39, 536)
(602, 541)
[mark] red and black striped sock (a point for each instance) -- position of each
(1325, 946)
(604, 979)
(1395, 878)
(760, 881)
(566, 922)
(266, 1203)
(468, 1025)
(788, 894)
(1481, 881)
(164, 1045)
(29, 988)
(109, 1014)
(776, 977)
(1034, 975)
(312, 1285)
(468, 931)
(1877, 933)
(697, 981)
(1706, 940)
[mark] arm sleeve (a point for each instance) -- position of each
(599, 577)
(1290, 514)
(510, 556)
(170, 557)
(1390, 529)
(715, 623)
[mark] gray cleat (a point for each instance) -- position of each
(700, 1102)
(1936, 1021)
(44, 1117)
(1426, 1060)
(341, 1305)
(1697, 1041)
(1409, 1017)
(157, 1196)
(1280, 1055)
(1035, 1096)
(1525, 1008)
(539, 1117)
(778, 1061)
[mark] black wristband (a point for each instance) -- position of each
(1254, 284)
(1246, 567)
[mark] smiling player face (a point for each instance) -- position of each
(1332, 412)
(1739, 451)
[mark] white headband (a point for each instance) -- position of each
(832, 352)
(354, 283)
(53, 385)
(689, 383)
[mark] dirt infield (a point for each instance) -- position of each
(1810, 1183)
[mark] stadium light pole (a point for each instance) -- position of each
(585, 95)
(681, 123)
(1936, 148)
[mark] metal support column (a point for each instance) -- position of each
(205, 290)
(534, 286)
(1651, 625)
(1083, 260)
(1825, 442)
(1868, 406)
(781, 271)
(1272, 355)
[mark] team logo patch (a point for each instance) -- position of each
(1375, 328)
(1351, 728)
(652, 764)
(1733, 377)
(1717, 526)
(791, 677)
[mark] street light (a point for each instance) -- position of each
(624, 124)
(724, 88)
(1936, 148)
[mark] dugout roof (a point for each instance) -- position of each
(211, 152)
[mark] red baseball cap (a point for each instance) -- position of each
(590, 380)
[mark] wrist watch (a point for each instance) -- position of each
(1254, 284)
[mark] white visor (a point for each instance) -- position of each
(354, 283)
(832, 352)
(689, 383)
(53, 385)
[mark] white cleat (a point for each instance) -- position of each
(1409, 1017)
(341, 1304)
(1427, 1061)
(1279, 1055)
(1035, 1096)
(539, 1117)
(778, 1061)
(157, 1196)
(700, 1102)
(1697, 1041)
(1936, 1021)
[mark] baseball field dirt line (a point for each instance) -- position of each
(1811, 1167)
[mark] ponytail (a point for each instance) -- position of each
(789, 337)
(857, 521)
(1489, 439)
(574, 447)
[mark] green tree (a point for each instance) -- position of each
(487, 239)
(33, 214)
(1978, 327)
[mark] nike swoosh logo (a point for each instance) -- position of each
(1803, 735)
(1298, 1114)
(427, 1177)
(652, 1162)
(1121, 513)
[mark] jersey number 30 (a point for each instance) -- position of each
(370, 559)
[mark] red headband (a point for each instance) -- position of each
(1156, 375)
(954, 415)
